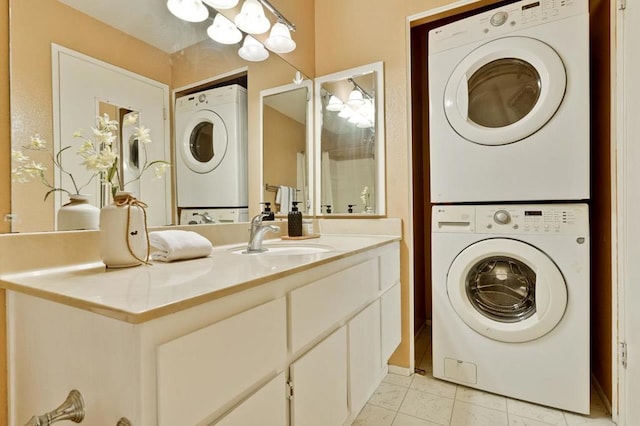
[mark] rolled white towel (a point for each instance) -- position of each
(177, 245)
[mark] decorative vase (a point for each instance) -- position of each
(78, 214)
(124, 239)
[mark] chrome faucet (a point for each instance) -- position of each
(258, 229)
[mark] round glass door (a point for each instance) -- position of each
(504, 91)
(204, 142)
(507, 290)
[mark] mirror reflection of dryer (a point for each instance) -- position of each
(211, 148)
(509, 104)
(130, 153)
(511, 287)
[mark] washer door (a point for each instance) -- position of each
(204, 142)
(505, 90)
(507, 290)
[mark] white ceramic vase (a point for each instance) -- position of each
(124, 240)
(78, 214)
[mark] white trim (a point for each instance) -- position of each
(437, 11)
(618, 222)
(401, 371)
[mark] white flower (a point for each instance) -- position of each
(106, 125)
(142, 134)
(18, 156)
(161, 169)
(103, 136)
(37, 142)
(130, 119)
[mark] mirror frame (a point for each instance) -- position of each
(310, 149)
(380, 150)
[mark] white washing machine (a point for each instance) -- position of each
(509, 104)
(510, 287)
(211, 148)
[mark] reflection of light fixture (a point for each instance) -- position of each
(364, 124)
(251, 18)
(222, 4)
(355, 99)
(279, 40)
(346, 112)
(224, 31)
(252, 50)
(188, 10)
(334, 104)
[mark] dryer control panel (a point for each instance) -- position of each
(533, 219)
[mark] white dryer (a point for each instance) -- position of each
(510, 287)
(509, 104)
(211, 148)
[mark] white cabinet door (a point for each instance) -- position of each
(365, 366)
(267, 407)
(320, 383)
(390, 319)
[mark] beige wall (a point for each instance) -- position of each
(5, 186)
(364, 32)
(35, 24)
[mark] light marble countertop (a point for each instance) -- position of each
(142, 293)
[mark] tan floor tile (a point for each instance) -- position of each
(427, 406)
(474, 415)
(388, 396)
(437, 387)
(372, 415)
(483, 399)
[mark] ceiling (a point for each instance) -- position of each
(147, 20)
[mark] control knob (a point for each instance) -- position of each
(502, 217)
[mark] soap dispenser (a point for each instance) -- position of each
(268, 214)
(295, 220)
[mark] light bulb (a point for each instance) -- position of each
(252, 50)
(188, 10)
(279, 40)
(355, 99)
(251, 18)
(222, 4)
(334, 104)
(224, 31)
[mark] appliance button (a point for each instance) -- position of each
(502, 217)
(499, 18)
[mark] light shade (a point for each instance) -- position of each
(224, 31)
(279, 40)
(355, 99)
(346, 113)
(252, 50)
(222, 4)
(251, 18)
(334, 104)
(188, 10)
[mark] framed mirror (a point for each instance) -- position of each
(287, 147)
(147, 43)
(350, 142)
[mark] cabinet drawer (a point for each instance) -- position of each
(202, 371)
(323, 303)
(389, 267)
(267, 407)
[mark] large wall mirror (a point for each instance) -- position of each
(350, 172)
(287, 148)
(141, 38)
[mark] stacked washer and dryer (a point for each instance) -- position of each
(509, 164)
(211, 156)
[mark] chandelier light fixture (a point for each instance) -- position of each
(250, 20)
(188, 10)
(222, 4)
(224, 31)
(252, 50)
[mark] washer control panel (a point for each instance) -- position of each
(502, 21)
(532, 219)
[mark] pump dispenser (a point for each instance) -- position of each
(295, 220)
(269, 215)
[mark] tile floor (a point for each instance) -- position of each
(424, 401)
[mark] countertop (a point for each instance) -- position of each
(145, 292)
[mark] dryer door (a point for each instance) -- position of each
(204, 142)
(505, 90)
(507, 290)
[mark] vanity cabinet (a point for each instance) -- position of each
(304, 349)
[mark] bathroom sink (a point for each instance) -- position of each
(285, 249)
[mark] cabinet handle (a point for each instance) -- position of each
(71, 409)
